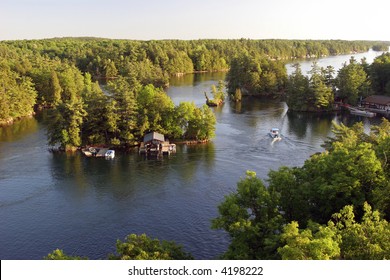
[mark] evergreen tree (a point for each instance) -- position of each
(297, 90)
(126, 108)
(321, 94)
(380, 74)
(352, 82)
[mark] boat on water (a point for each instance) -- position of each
(98, 152)
(361, 112)
(110, 154)
(274, 133)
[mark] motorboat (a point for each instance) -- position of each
(274, 133)
(361, 112)
(110, 154)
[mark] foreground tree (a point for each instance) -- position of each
(136, 247)
(142, 247)
(251, 218)
(344, 237)
(58, 254)
(352, 171)
(367, 240)
(306, 245)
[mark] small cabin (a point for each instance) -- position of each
(154, 138)
(154, 144)
(377, 103)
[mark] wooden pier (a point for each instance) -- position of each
(154, 144)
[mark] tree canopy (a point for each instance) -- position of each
(41, 73)
(330, 197)
(135, 247)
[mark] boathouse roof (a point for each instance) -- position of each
(154, 136)
(378, 99)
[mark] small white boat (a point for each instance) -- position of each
(359, 112)
(110, 154)
(274, 133)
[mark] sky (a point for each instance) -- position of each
(195, 19)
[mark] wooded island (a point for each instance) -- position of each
(66, 75)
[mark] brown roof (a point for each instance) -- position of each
(378, 99)
(153, 136)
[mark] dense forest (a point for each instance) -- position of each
(316, 92)
(102, 91)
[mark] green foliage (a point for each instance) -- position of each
(380, 74)
(351, 174)
(202, 124)
(343, 238)
(297, 90)
(64, 128)
(60, 255)
(255, 75)
(310, 94)
(237, 97)
(354, 169)
(251, 218)
(244, 73)
(322, 93)
(55, 66)
(17, 94)
(124, 105)
(155, 110)
(142, 247)
(352, 82)
(292, 193)
(304, 245)
(136, 247)
(183, 114)
(348, 175)
(368, 240)
(218, 95)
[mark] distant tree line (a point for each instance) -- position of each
(63, 75)
(354, 81)
(316, 91)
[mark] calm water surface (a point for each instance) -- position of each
(84, 205)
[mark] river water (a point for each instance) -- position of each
(83, 205)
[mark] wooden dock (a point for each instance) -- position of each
(164, 148)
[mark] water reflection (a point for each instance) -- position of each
(125, 174)
(18, 130)
(194, 79)
(307, 125)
